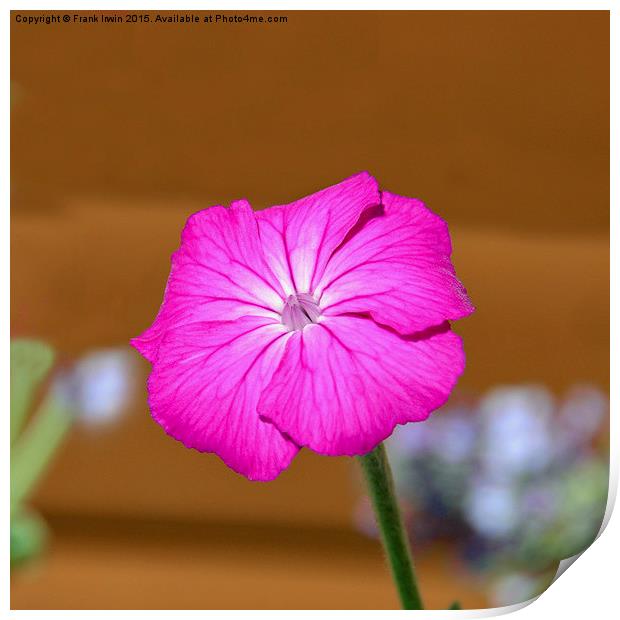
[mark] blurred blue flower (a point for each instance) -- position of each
(517, 479)
(491, 508)
(516, 436)
(580, 417)
(99, 387)
(453, 437)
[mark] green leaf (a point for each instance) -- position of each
(31, 360)
(28, 536)
(455, 605)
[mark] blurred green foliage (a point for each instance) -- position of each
(34, 441)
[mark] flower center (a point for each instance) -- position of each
(300, 310)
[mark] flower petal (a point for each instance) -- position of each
(218, 273)
(298, 238)
(396, 267)
(346, 382)
(205, 385)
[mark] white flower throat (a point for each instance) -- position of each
(300, 310)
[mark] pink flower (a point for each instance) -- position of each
(322, 323)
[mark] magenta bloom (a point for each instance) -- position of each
(322, 323)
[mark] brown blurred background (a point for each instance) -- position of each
(498, 120)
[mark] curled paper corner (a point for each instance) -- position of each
(564, 564)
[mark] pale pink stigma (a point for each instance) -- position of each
(300, 310)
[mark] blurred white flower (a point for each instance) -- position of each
(516, 437)
(491, 508)
(450, 434)
(514, 588)
(453, 435)
(100, 385)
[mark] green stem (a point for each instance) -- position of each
(381, 488)
(36, 447)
